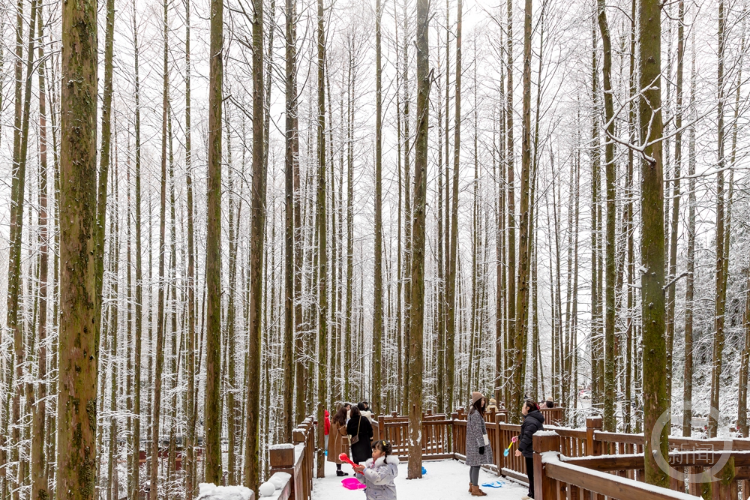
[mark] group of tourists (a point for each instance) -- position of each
(350, 432)
(479, 450)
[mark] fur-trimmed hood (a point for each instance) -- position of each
(393, 460)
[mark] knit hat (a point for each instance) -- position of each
(551, 399)
(475, 396)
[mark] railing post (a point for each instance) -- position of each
(726, 487)
(593, 447)
(544, 487)
(501, 443)
(452, 435)
(282, 460)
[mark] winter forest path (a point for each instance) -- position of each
(445, 480)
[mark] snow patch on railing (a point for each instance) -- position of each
(209, 491)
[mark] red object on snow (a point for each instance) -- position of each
(352, 483)
(344, 457)
(327, 424)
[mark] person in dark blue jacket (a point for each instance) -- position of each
(533, 421)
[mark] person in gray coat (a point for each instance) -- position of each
(379, 472)
(478, 449)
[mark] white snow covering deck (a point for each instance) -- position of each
(445, 480)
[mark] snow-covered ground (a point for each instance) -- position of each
(445, 480)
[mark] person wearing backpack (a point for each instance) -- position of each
(360, 432)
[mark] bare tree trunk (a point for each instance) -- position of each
(212, 408)
(675, 201)
(159, 348)
(101, 206)
(511, 241)
(292, 109)
(290, 160)
(349, 227)
(417, 270)
(720, 269)
(440, 322)
(407, 203)
(190, 464)
(610, 421)
(522, 297)
(652, 242)
(258, 210)
(595, 343)
(76, 434)
(136, 451)
(449, 349)
(39, 460)
(745, 357)
(377, 332)
(687, 397)
(628, 222)
(16, 323)
(453, 259)
(113, 332)
(742, 418)
(322, 367)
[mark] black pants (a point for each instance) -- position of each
(530, 473)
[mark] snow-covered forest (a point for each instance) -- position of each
(219, 217)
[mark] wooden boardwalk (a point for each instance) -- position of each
(569, 464)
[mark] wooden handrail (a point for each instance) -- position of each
(296, 459)
(608, 484)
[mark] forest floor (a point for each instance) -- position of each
(445, 480)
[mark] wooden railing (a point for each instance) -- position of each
(436, 435)
(590, 463)
(292, 464)
(555, 477)
(717, 475)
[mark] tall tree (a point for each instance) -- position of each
(78, 349)
(511, 239)
(453, 254)
(652, 241)
(212, 408)
(322, 254)
(20, 157)
(675, 199)
(377, 325)
(290, 159)
(417, 270)
(610, 422)
(136, 448)
(522, 295)
(101, 204)
(687, 397)
(595, 341)
(191, 338)
(160, 322)
(258, 207)
(39, 459)
(720, 269)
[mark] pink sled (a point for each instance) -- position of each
(352, 483)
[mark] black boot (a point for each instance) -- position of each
(341, 473)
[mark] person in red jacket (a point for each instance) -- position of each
(326, 428)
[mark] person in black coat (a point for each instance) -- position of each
(533, 421)
(360, 426)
